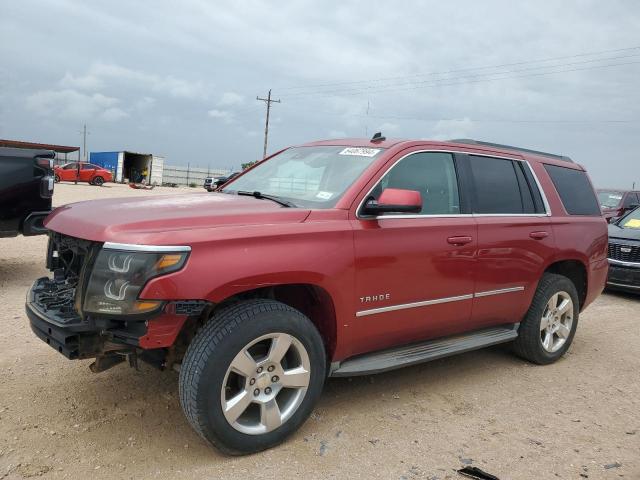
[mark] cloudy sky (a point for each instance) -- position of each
(180, 79)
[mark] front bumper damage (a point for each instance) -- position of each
(109, 340)
(54, 309)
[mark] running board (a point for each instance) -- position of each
(378, 362)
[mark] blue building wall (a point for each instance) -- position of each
(108, 160)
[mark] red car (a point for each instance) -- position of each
(88, 172)
(334, 258)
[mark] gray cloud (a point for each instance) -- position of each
(181, 79)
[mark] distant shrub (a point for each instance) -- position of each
(193, 184)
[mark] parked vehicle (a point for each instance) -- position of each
(210, 183)
(222, 180)
(131, 167)
(615, 203)
(334, 258)
(26, 188)
(88, 172)
(624, 252)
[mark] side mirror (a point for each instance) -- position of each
(395, 200)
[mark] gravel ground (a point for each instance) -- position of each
(578, 418)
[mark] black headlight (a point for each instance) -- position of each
(118, 276)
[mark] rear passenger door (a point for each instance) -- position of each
(514, 237)
(87, 172)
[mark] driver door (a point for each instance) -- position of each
(415, 272)
(70, 172)
(87, 172)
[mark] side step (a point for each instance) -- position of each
(378, 362)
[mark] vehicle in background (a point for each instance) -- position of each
(131, 167)
(614, 203)
(26, 188)
(93, 174)
(624, 252)
(334, 258)
(220, 181)
(209, 183)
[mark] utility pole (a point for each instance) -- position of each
(268, 101)
(84, 150)
(366, 122)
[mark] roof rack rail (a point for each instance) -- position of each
(509, 147)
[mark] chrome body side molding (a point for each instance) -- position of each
(426, 303)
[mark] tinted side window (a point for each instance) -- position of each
(496, 185)
(575, 190)
(88, 166)
(432, 174)
(71, 166)
(630, 199)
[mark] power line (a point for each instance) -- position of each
(447, 82)
(268, 101)
(485, 67)
(476, 120)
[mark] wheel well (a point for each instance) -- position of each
(575, 271)
(313, 301)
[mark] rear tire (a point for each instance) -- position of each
(56, 178)
(238, 389)
(548, 328)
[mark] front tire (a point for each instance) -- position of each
(252, 375)
(98, 181)
(548, 328)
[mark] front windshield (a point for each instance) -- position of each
(631, 219)
(313, 177)
(609, 199)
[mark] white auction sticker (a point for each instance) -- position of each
(324, 195)
(360, 151)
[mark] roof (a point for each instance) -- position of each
(357, 142)
(470, 141)
(485, 147)
(39, 146)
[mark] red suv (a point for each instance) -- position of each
(334, 258)
(87, 172)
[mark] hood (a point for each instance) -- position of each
(623, 233)
(123, 220)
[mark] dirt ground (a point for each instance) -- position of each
(578, 418)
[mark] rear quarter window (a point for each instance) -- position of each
(575, 190)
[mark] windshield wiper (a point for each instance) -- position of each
(273, 198)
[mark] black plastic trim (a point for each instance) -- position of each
(33, 223)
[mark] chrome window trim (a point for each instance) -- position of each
(545, 202)
(436, 301)
(130, 247)
(547, 208)
(623, 263)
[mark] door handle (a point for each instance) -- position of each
(459, 241)
(539, 235)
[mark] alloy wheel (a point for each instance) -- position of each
(556, 322)
(265, 383)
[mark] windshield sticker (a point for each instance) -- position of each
(360, 151)
(633, 223)
(324, 195)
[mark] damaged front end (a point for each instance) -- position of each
(90, 307)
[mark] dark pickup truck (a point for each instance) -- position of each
(26, 188)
